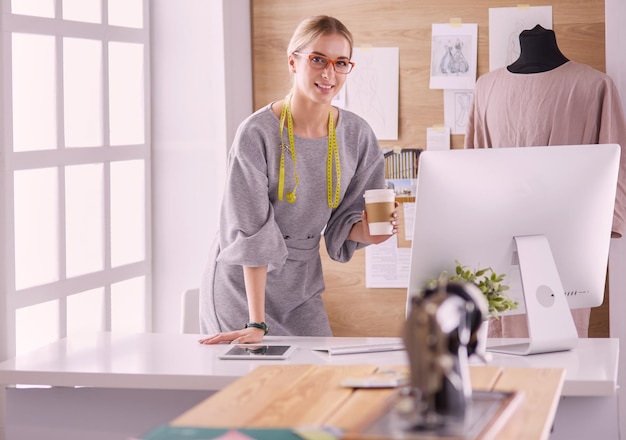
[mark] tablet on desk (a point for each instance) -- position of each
(361, 348)
(258, 352)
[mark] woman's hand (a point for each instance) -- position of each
(361, 231)
(250, 335)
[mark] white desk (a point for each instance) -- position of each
(178, 362)
(591, 369)
(589, 406)
(125, 367)
(163, 361)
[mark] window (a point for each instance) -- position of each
(76, 178)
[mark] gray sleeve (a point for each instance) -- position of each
(370, 174)
(249, 233)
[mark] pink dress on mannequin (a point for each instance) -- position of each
(545, 99)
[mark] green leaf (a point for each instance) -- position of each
(489, 282)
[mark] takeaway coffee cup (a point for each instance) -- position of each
(379, 206)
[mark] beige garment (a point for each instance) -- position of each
(569, 105)
(515, 326)
(572, 104)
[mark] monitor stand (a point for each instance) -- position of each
(550, 324)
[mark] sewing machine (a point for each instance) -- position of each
(440, 335)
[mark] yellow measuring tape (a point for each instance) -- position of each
(333, 152)
(291, 196)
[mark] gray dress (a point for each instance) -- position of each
(256, 229)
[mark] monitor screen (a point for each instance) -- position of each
(471, 205)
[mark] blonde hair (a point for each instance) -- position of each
(312, 28)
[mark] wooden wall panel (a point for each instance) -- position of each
(579, 27)
(353, 309)
(578, 24)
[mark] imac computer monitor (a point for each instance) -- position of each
(540, 215)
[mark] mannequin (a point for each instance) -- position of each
(539, 52)
(543, 98)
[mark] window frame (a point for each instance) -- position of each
(11, 161)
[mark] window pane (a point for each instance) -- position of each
(85, 312)
(89, 11)
(128, 13)
(128, 309)
(84, 216)
(36, 326)
(82, 87)
(36, 227)
(34, 92)
(127, 212)
(38, 8)
(126, 93)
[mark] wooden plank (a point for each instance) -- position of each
(484, 377)
(507, 420)
(578, 24)
(361, 408)
(239, 403)
(353, 309)
(504, 423)
(366, 405)
(542, 388)
(312, 399)
(528, 414)
(288, 396)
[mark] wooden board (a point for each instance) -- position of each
(406, 24)
(291, 396)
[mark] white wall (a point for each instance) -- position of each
(615, 11)
(201, 90)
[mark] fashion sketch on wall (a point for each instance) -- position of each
(372, 89)
(457, 106)
(453, 56)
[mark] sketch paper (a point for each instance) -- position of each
(505, 25)
(453, 56)
(372, 89)
(456, 108)
(438, 138)
(409, 219)
(387, 265)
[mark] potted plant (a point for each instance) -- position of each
(490, 284)
(493, 287)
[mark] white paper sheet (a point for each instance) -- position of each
(505, 25)
(456, 108)
(453, 56)
(386, 265)
(372, 89)
(438, 138)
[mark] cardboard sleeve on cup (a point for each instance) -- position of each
(379, 205)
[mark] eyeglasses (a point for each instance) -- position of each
(320, 62)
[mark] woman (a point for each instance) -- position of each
(265, 271)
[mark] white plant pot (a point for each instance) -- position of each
(481, 337)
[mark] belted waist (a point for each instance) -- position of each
(302, 249)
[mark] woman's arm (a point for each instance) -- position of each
(255, 279)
